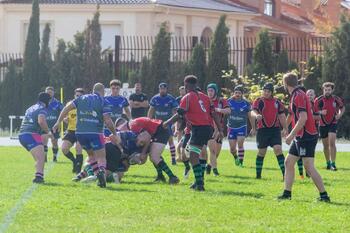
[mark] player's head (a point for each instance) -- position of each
(115, 86)
(44, 98)
(50, 91)
(182, 90)
(143, 138)
(238, 91)
(121, 124)
(190, 82)
(268, 90)
(328, 88)
(138, 87)
(99, 88)
(212, 90)
(163, 89)
(311, 94)
(290, 81)
(78, 92)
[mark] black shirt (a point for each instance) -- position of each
(138, 112)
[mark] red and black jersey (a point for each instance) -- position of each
(145, 124)
(198, 108)
(269, 109)
(332, 104)
(299, 102)
(220, 103)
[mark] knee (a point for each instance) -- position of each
(233, 151)
(288, 163)
(65, 150)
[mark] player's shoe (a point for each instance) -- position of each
(193, 186)
(216, 172)
(329, 167)
(236, 159)
(187, 173)
(334, 168)
(160, 179)
(174, 180)
(258, 177)
(173, 161)
(199, 188)
(76, 179)
(208, 169)
(54, 158)
(240, 163)
(284, 197)
(101, 179)
(38, 180)
(89, 179)
(324, 199)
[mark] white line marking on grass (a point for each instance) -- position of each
(11, 214)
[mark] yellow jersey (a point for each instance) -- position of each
(72, 120)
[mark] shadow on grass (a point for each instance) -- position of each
(239, 177)
(141, 183)
(141, 176)
(122, 189)
(52, 184)
(236, 193)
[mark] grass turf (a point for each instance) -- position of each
(233, 202)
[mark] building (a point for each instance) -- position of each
(119, 17)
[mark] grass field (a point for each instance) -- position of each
(233, 202)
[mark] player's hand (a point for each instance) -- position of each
(337, 117)
(323, 112)
(259, 117)
(252, 132)
(56, 127)
(115, 139)
(289, 139)
(218, 110)
(219, 136)
(284, 133)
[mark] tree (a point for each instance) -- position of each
(45, 57)
(282, 62)
(160, 61)
(336, 68)
(145, 76)
(314, 74)
(197, 64)
(10, 104)
(31, 63)
(218, 53)
(263, 55)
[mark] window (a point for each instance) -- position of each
(178, 31)
(109, 31)
(269, 8)
(42, 27)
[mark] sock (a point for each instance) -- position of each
(54, 151)
(102, 167)
(259, 165)
(234, 155)
(287, 193)
(203, 164)
(39, 174)
(159, 170)
(46, 149)
(333, 164)
(323, 194)
(172, 151)
(89, 169)
(84, 174)
(187, 165)
(197, 170)
(241, 155)
(215, 171)
(163, 166)
(300, 167)
(94, 167)
(329, 163)
(280, 159)
(70, 156)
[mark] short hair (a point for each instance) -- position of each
(310, 90)
(191, 79)
(328, 84)
(98, 87)
(49, 88)
(138, 83)
(182, 88)
(115, 82)
(290, 79)
(80, 90)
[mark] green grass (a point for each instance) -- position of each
(233, 202)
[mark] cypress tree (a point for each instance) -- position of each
(197, 64)
(45, 57)
(263, 57)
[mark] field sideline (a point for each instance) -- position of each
(233, 202)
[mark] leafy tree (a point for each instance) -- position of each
(263, 57)
(197, 64)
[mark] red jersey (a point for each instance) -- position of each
(145, 124)
(198, 108)
(220, 103)
(332, 104)
(299, 102)
(269, 109)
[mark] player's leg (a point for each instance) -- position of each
(79, 157)
(45, 140)
(263, 141)
(301, 168)
(179, 147)
(332, 149)
(54, 141)
(172, 150)
(259, 161)
(186, 155)
(289, 175)
(100, 155)
(240, 143)
(232, 140)
(212, 156)
(215, 159)
(66, 145)
(277, 149)
(203, 158)
(325, 142)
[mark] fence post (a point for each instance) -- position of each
(194, 41)
(116, 58)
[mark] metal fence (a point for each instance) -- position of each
(6, 59)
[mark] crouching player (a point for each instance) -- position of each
(29, 135)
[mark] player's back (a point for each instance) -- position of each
(30, 122)
(198, 108)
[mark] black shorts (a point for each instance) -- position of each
(324, 130)
(70, 136)
(200, 135)
(161, 136)
(114, 159)
(185, 139)
(304, 149)
(268, 137)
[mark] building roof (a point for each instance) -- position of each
(216, 5)
(346, 4)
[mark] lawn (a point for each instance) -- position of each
(233, 202)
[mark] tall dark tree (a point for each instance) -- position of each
(197, 64)
(145, 76)
(282, 62)
(45, 57)
(218, 53)
(160, 61)
(313, 79)
(263, 57)
(31, 61)
(337, 70)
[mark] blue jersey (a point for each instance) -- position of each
(164, 106)
(90, 111)
(116, 105)
(239, 113)
(128, 142)
(53, 112)
(30, 122)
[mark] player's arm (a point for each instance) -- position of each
(109, 124)
(127, 112)
(225, 111)
(43, 123)
(70, 106)
(252, 121)
(298, 126)
(144, 104)
(283, 120)
(289, 119)
(151, 112)
(340, 112)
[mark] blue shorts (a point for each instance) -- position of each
(30, 140)
(170, 129)
(91, 141)
(233, 133)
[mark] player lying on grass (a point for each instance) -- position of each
(119, 157)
